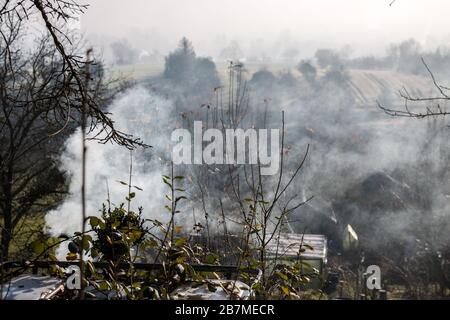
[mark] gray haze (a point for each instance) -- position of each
(366, 25)
(376, 173)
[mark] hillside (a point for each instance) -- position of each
(369, 86)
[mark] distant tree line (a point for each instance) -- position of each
(404, 57)
(185, 69)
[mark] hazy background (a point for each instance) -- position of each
(386, 177)
(268, 26)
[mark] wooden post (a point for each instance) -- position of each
(34, 270)
(341, 288)
(364, 284)
(374, 294)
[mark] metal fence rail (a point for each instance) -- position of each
(228, 271)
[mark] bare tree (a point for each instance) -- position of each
(54, 14)
(40, 105)
(123, 52)
(434, 105)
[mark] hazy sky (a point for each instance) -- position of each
(366, 25)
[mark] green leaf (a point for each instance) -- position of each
(115, 224)
(38, 246)
(86, 244)
(281, 275)
(73, 248)
(180, 242)
(94, 221)
(167, 182)
(257, 228)
(104, 286)
(286, 290)
(136, 285)
(152, 243)
(211, 258)
(94, 253)
(212, 287)
(136, 234)
(91, 267)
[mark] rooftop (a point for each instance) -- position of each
(288, 245)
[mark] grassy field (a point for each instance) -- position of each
(136, 71)
(365, 86)
(31, 228)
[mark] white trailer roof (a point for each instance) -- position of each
(28, 287)
(289, 245)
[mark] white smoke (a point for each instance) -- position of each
(138, 112)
